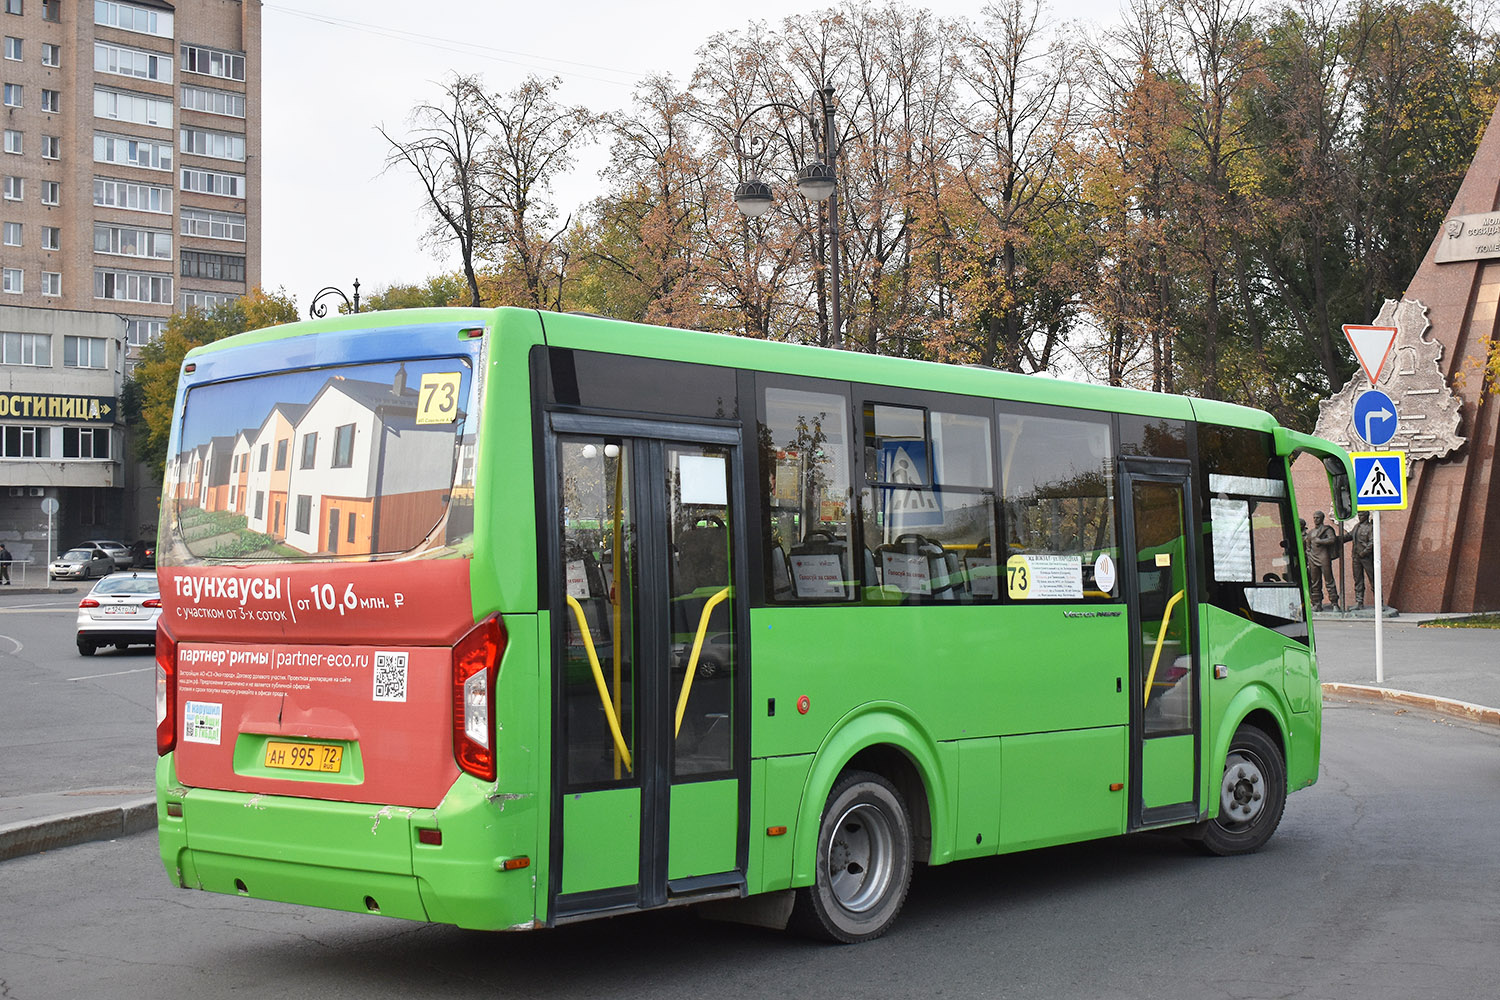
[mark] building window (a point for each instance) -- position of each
(141, 330)
(343, 447)
(213, 62)
(51, 238)
(52, 100)
(12, 234)
(213, 102)
(12, 141)
(12, 95)
(130, 152)
(129, 17)
(13, 280)
(265, 452)
(12, 48)
(51, 192)
(111, 193)
(309, 449)
(281, 454)
(28, 442)
(206, 301)
(217, 266)
(132, 62)
(213, 182)
(51, 282)
(132, 286)
(13, 6)
(213, 225)
(85, 352)
(15, 189)
(26, 349)
(141, 109)
(260, 504)
(304, 513)
(51, 147)
(51, 54)
(130, 241)
(219, 145)
(85, 442)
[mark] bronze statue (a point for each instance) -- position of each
(1323, 545)
(1363, 551)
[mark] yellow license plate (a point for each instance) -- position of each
(304, 756)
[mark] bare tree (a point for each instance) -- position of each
(446, 150)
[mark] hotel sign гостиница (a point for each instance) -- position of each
(59, 406)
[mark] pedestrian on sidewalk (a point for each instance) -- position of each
(5, 558)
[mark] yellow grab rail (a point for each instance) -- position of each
(604, 699)
(692, 667)
(1161, 636)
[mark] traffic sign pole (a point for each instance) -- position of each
(1379, 606)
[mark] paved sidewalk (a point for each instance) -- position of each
(1453, 671)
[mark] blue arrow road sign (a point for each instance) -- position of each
(1375, 417)
(1379, 480)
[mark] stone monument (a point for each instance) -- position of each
(1443, 551)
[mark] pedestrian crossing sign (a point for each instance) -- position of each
(1379, 480)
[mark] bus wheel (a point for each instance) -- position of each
(1252, 795)
(864, 862)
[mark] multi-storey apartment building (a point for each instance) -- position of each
(129, 189)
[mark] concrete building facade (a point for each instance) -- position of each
(129, 189)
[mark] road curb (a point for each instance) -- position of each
(51, 832)
(1446, 706)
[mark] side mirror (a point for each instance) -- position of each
(1338, 485)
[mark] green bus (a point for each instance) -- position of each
(509, 619)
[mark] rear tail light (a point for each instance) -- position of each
(151, 602)
(88, 602)
(476, 663)
(166, 691)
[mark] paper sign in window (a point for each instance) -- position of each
(1231, 537)
(437, 399)
(907, 573)
(578, 580)
(818, 576)
(700, 479)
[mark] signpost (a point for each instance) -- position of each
(1380, 484)
(49, 507)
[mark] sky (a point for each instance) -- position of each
(337, 70)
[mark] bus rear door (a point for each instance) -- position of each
(649, 664)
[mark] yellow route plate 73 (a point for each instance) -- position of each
(437, 399)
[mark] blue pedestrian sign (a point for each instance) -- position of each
(1375, 417)
(1379, 480)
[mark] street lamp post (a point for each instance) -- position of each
(817, 180)
(315, 310)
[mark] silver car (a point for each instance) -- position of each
(120, 611)
(82, 563)
(118, 551)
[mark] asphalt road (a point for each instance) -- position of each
(1380, 884)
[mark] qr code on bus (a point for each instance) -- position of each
(390, 676)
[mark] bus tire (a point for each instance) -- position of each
(863, 865)
(1252, 795)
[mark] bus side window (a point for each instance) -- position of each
(804, 449)
(1058, 482)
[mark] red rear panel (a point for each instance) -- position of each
(327, 680)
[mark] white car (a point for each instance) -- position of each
(118, 551)
(82, 563)
(120, 611)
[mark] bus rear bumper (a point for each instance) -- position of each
(355, 857)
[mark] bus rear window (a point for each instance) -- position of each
(358, 460)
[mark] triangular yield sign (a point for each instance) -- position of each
(1372, 345)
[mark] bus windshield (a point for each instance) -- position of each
(358, 460)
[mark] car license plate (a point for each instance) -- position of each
(120, 609)
(304, 756)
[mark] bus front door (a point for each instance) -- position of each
(1164, 669)
(648, 761)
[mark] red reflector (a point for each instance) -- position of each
(1118, 786)
(473, 334)
(775, 831)
(174, 809)
(511, 864)
(88, 602)
(191, 366)
(433, 837)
